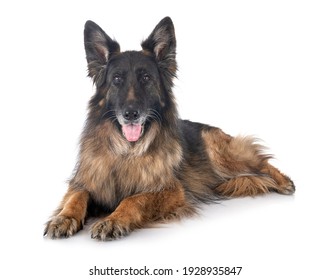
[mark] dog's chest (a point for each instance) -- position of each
(110, 181)
(139, 174)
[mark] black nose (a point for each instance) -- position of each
(131, 114)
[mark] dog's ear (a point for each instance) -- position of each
(98, 47)
(162, 44)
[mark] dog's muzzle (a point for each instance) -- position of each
(132, 124)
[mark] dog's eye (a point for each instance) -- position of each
(145, 78)
(117, 80)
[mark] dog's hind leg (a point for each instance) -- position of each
(243, 166)
(252, 185)
(284, 185)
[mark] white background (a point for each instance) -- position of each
(250, 67)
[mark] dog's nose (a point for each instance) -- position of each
(131, 114)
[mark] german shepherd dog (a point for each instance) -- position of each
(138, 162)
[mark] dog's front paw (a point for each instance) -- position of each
(61, 227)
(109, 230)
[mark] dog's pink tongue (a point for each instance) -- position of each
(132, 131)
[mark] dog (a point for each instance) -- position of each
(138, 162)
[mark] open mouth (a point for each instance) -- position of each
(132, 132)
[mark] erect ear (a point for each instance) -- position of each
(98, 47)
(162, 44)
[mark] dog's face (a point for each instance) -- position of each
(133, 87)
(134, 93)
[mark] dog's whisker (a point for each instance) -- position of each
(154, 115)
(112, 115)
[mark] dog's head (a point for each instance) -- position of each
(133, 87)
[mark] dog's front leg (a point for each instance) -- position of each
(69, 218)
(140, 210)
